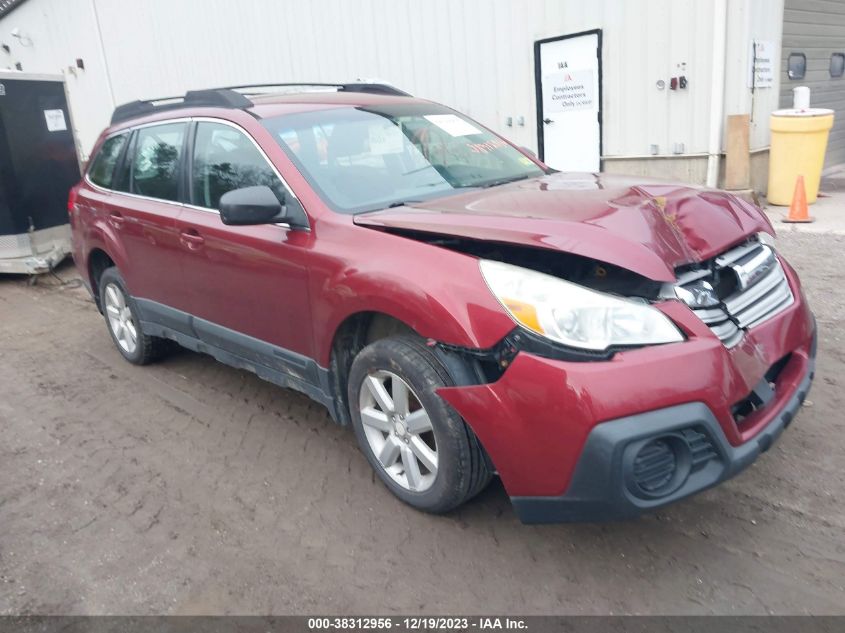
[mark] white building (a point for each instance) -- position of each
(654, 100)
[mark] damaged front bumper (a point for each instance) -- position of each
(586, 441)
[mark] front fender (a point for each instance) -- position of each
(449, 303)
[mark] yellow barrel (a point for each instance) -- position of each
(799, 141)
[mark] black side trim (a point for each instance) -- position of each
(272, 363)
(161, 315)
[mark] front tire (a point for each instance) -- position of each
(121, 315)
(419, 446)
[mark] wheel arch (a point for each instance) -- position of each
(352, 335)
(98, 261)
(362, 328)
(102, 246)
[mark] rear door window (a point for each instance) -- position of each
(156, 159)
(224, 159)
(102, 168)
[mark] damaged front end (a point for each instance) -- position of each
(659, 345)
(581, 433)
(489, 364)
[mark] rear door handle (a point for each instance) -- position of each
(191, 239)
(116, 220)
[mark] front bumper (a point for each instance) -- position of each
(562, 434)
(602, 487)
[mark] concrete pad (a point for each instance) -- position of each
(828, 211)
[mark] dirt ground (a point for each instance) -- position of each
(189, 487)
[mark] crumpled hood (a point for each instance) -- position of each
(648, 227)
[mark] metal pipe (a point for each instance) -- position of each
(103, 53)
(717, 90)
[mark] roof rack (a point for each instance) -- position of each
(236, 97)
(210, 98)
(365, 87)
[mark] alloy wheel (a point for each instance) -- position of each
(398, 430)
(121, 320)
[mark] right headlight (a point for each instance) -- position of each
(573, 315)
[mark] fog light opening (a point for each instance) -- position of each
(660, 466)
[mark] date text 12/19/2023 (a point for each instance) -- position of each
(417, 623)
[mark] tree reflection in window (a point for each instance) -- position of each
(225, 159)
(155, 166)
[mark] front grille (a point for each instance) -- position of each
(700, 446)
(748, 287)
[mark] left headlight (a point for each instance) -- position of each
(573, 315)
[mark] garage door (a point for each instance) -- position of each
(814, 35)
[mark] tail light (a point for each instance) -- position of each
(71, 203)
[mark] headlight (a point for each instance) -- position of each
(573, 315)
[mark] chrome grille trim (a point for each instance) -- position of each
(747, 307)
(729, 257)
(740, 301)
(711, 315)
(724, 329)
(774, 302)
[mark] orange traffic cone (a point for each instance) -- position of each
(798, 211)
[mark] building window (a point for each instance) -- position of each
(837, 64)
(796, 66)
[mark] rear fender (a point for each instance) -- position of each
(101, 236)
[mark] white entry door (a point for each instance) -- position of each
(568, 75)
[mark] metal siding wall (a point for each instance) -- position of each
(61, 32)
(817, 29)
(474, 55)
(751, 20)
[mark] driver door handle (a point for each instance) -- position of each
(191, 238)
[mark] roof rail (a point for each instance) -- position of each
(222, 98)
(366, 87)
(236, 97)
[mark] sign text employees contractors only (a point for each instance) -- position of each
(567, 91)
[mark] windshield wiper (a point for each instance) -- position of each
(501, 181)
(401, 203)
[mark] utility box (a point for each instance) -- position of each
(38, 166)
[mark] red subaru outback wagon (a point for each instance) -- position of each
(606, 345)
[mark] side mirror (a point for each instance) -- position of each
(259, 205)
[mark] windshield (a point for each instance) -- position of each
(366, 158)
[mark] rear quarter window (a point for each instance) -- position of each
(102, 168)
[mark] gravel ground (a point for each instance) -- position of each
(189, 487)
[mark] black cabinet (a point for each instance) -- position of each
(38, 161)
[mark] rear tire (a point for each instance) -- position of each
(418, 445)
(121, 314)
